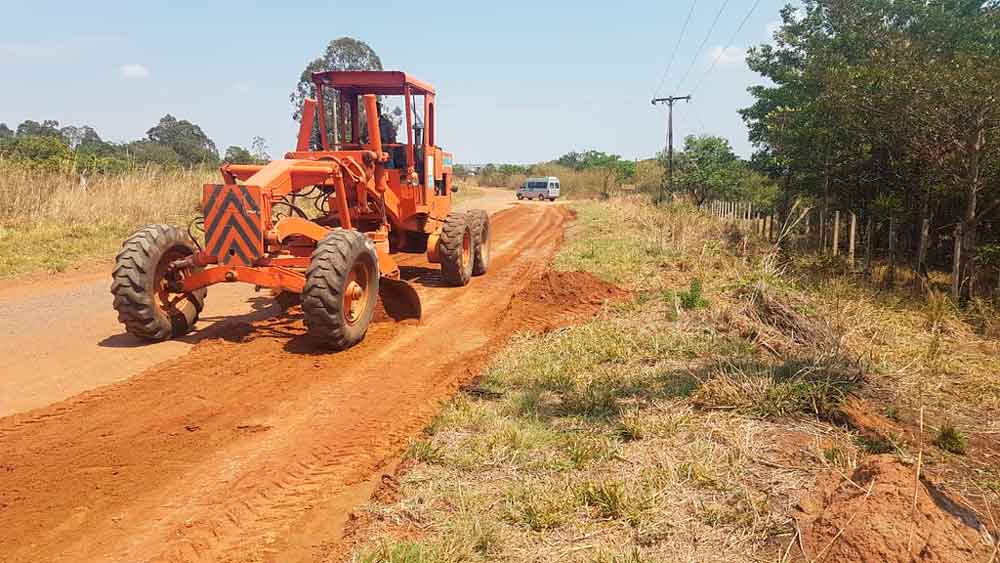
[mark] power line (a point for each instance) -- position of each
(720, 54)
(697, 116)
(677, 46)
(703, 42)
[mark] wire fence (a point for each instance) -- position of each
(866, 243)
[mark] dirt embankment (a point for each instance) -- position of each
(880, 513)
(256, 444)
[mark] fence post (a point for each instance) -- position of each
(925, 228)
(869, 235)
(890, 277)
(822, 230)
(836, 232)
(853, 238)
(956, 265)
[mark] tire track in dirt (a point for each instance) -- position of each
(225, 453)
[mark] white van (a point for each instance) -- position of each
(539, 188)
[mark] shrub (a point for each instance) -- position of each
(951, 439)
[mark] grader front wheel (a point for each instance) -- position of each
(145, 288)
(341, 289)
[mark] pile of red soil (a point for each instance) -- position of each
(556, 299)
(874, 519)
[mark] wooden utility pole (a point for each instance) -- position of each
(669, 100)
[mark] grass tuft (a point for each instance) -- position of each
(951, 439)
(614, 500)
(770, 391)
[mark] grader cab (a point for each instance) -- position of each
(369, 199)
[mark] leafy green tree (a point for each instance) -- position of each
(707, 169)
(511, 169)
(5, 132)
(190, 144)
(47, 128)
(572, 160)
(344, 53)
(239, 155)
(41, 151)
(77, 137)
(152, 152)
(258, 146)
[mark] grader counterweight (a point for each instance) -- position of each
(373, 197)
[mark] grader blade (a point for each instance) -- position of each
(399, 299)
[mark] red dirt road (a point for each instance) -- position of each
(255, 445)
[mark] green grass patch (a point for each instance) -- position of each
(593, 431)
(56, 247)
(951, 439)
(765, 390)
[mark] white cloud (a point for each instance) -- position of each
(728, 55)
(134, 71)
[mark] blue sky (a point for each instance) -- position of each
(517, 81)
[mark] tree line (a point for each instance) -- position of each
(171, 142)
(888, 108)
(707, 169)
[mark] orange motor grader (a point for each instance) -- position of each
(371, 198)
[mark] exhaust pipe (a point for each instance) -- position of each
(375, 142)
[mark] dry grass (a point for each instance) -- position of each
(50, 220)
(617, 440)
(895, 333)
(664, 432)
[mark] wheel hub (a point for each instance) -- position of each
(169, 280)
(356, 294)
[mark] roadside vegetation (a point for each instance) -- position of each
(706, 168)
(50, 221)
(686, 422)
(888, 109)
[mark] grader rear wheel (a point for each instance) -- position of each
(456, 247)
(341, 289)
(146, 290)
(481, 234)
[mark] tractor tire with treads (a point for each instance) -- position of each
(341, 289)
(139, 285)
(481, 236)
(455, 249)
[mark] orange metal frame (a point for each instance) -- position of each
(249, 245)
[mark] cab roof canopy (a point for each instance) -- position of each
(383, 82)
